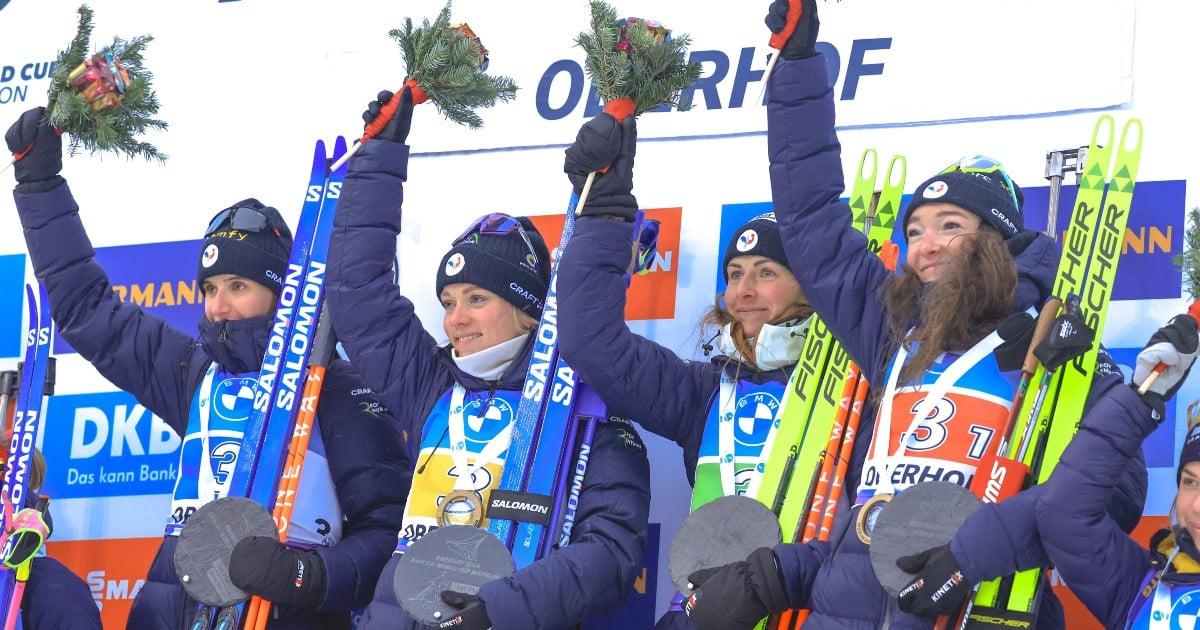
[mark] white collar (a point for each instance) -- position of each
(776, 345)
(492, 363)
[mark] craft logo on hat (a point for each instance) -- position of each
(747, 240)
(455, 264)
(935, 190)
(209, 257)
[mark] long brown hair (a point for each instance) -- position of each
(965, 304)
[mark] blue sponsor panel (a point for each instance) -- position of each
(12, 296)
(159, 277)
(1154, 236)
(638, 609)
(107, 445)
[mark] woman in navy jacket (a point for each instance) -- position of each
(1121, 582)
(491, 284)
(761, 322)
(970, 264)
(356, 476)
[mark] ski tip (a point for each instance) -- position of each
(1133, 130)
(320, 155)
(1103, 133)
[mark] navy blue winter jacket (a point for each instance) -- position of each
(845, 284)
(409, 371)
(1100, 562)
(162, 367)
(56, 599)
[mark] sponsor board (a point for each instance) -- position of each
(1153, 237)
(107, 445)
(114, 571)
(12, 289)
(158, 277)
(652, 295)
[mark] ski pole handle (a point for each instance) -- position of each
(778, 40)
(385, 116)
(1045, 321)
(1193, 312)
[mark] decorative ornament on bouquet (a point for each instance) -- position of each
(444, 64)
(1189, 263)
(636, 65)
(105, 100)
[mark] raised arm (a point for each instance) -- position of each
(138, 352)
(378, 327)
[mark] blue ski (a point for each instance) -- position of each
(26, 418)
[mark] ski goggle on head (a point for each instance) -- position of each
(243, 218)
(496, 224)
(986, 166)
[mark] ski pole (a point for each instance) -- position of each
(778, 40)
(1192, 312)
(845, 429)
(1058, 163)
(289, 483)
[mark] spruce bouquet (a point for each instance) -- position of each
(105, 101)
(445, 64)
(636, 65)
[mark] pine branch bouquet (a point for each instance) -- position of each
(635, 64)
(1189, 260)
(104, 102)
(446, 64)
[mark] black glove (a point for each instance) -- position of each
(1017, 332)
(293, 577)
(604, 142)
(802, 44)
(738, 595)
(401, 122)
(471, 616)
(1175, 346)
(1069, 337)
(37, 149)
(938, 589)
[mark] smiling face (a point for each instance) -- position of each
(934, 234)
(476, 319)
(230, 297)
(759, 291)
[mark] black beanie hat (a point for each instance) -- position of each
(757, 237)
(260, 256)
(982, 194)
(503, 265)
(1190, 451)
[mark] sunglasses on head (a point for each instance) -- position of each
(496, 224)
(243, 218)
(987, 166)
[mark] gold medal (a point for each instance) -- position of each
(868, 515)
(461, 507)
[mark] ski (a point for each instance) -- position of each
(542, 428)
(786, 443)
(268, 376)
(1091, 253)
(309, 286)
(26, 419)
